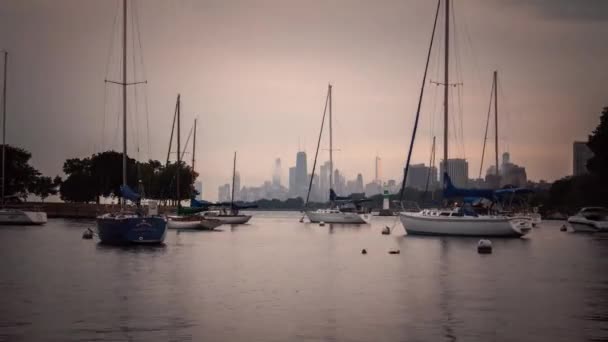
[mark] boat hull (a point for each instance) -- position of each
(231, 219)
(583, 225)
(419, 224)
(333, 217)
(131, 229)
(22, 217)
(200, 224)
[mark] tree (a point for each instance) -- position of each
(43, 187)
(19, 174)
(598, 144)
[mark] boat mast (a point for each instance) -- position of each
(233, 175)
(124, 97)
(446, 83)
(4, 122)
(193, 147)
(331, 157)
(496, 118)
(193, 153)
(179, 157)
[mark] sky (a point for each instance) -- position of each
(255, 73)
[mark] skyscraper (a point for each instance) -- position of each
(417, 177)
(458, 170)
(580, 155)
(237, 187)
(301, 174)
(276, 175)
(198, 186)
(324, 181)
(292, 181)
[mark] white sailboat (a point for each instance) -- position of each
(454, 222)
(10, 216)
(182, 219)
(334, 214)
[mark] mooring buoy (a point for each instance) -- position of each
(394, 251)
(364, 251)
(386, 230)
(484, 246)
(563, 228)
(322, 224)
(87, 234)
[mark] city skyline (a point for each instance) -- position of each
(257, 85)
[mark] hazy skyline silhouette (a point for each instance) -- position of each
(255, 74)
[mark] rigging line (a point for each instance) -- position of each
(426, 68)
(485, 137)
(171, 137)
(186, 144)
(135, 86)
(506, 112)
(314, 165)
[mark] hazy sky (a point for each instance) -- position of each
(255, 73)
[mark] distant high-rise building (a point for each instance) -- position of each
(237, 187)
(223, 193)
(276, 175)
(301, 174)
(458, 170)
(417, 177)
(359, 184)
(580, 155)
(198, 186)
(292, 181)
(324, 181)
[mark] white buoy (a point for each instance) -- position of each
(484, 246)
(322, 224)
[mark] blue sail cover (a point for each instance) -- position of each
(450, 191)
(510, 191)
(334, 197)
(129, 194)
(194, 203)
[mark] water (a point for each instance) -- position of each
(280, 280)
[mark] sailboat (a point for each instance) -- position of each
(228, 213)
(334, 214)
(459, 221)
(130, 226)
(9, 216)
(187, 218)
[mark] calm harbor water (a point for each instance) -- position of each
(280, 280)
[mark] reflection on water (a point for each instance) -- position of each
(276, 279)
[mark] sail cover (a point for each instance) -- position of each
(129, 194)
(450, 191)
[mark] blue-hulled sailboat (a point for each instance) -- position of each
(130, 226)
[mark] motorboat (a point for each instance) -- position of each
(334, 216)
(590, 220)
(10, 216)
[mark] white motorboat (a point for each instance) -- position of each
(455, 223)
(22, 217)
(590, 220)
(227, 218)
(334, 216)
(192, 222)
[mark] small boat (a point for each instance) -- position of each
(590, 220)
(22, 217)
(227, 217)
(334, 216)
(10, 216)
(192, 222)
